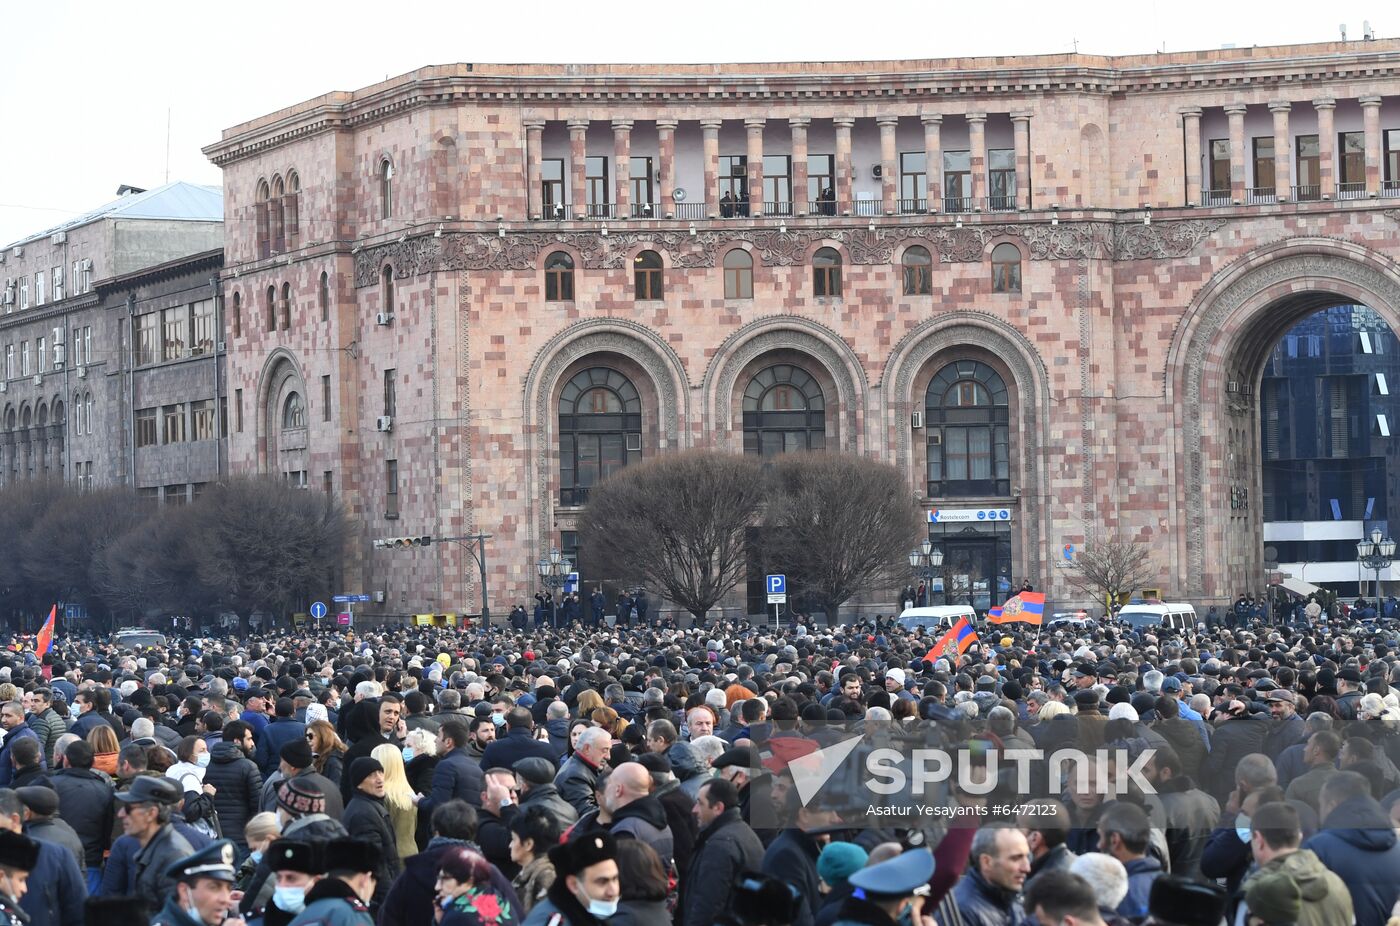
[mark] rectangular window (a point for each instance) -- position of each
(41, 348)
(552, 186)
(1001, 177)
(9, 361)
(390, 403)
(328, 481)
(24, 358)
(87, 344)
(149, 494)
(238, 411)
(913, 181)
(196, 490)
(39, 288)
(203, 314)
(596, 187)
(1264, 164)
(202, 419)
(777, 183)
(173, 325)
(176, 495)
(641, 180)
(391, 488)
(1220, 167)
(325, 398)
(733, 185)
(147, 336)
(24, 295)
(77, 277)
(173, 423)
(57, 283)
(1392, 157)
(821, 183)
(223, 416)
(146, 427)
(1309, 159)
(957, 181)
(1351, 160)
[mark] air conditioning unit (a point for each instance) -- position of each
(916, 420)
(223, 346)
(60, 237)
(16, 252)
(634, 442)
(379, 597)
(58, 335)
(85, 264)
(82, 372)
(384, 319)
(935, 438)
(384, 423)
(877, 171)
(4, 386)
(38, 379)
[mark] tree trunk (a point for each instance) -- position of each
(833, 613)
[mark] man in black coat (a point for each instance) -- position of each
(236, 779)
(724, 847)
(56, 890)
(363, 729)
(85, 799)
(456, 777)
(367, 819)
(1238, 733)
(283, 730)
(518, 742)
(792, 857)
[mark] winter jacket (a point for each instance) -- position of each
(1307, 787)
(547, 796)
(58, 832)
(454, 778)
(1283, 734)
(366, 817)
(1290, 765)
(165, 849)
(57, 889)
(316, 827)
(48, 726)
(280, 732)
(645, 819)
(514, 746)
(334, 805)
(1183, 737)
(575, 782)
(559, 902)
(1357, 842)
(981, 903)
(239, 785)
(678, 805)
(533, 883)
(1141, 873)
(7, 766)
(1187, 815)
(410, 898)
(85, 802)
(558, 737)
(792, 858)
(1233, 740)
(1326, 899)
(722, 850)
(331, 902)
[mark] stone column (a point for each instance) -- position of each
(1371, 123)
(1235, 111)
(666, 166)
(1283, 177)
(800, 200)
(534, 150)
(1021, 132)
(622, 167)
(710, 128)
(1191, 128)
(1326, 148)
(578, 170)
(755, 155)
(889, 158)
(845, 193)
(933, 158)
(977, 145)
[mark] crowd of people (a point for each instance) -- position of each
(653, 776)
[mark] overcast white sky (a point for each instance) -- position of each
(85, 87)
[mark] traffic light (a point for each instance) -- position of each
(399, 543)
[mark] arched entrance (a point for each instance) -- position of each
(282, 418)
(1215, 370)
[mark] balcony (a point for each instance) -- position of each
(778, 208)
(1260, 195)
(825, 207)
(957, 204)
(689, 211)
(1351, 190)
(1215, 197)
(869, 207)
(602, 210)
(1390, 188)
(644, 211)
(913, 206)
(574, 497)
(1307, 193)
(1004, 202)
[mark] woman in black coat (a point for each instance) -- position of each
(420, 759)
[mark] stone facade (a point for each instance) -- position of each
(404, 231)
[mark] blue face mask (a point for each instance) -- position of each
(408, 753)
(203, 760)
(255, 856)
(290, 899)
(1242, 828)
(498, 719)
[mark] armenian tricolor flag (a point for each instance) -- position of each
(1025, 608)
(961, 636)
(45, 640)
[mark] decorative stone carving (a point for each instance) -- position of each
(639, 344)
(521, 250)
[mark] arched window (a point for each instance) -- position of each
(286, 306)
(77, 414)
(260, 207)
(826, 273)
(647, 275)
(386, 189)
(966, 415)
(324, 296)
(293, 412)
(738, 274)
(600, 430)
(272, 308)
(559, 277)
(87, 411)
(918, 271)
(237, 321)
(784, 412)
(275, 210)
(290, 208)
(386, 289)
(1006, 268)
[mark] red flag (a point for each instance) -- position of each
(961, 636)
(938, 647)
(45, 641)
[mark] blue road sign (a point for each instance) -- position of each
(318, 609)
(342, 598)
(777, 585)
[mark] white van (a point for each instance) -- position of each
(1174, 616)
(937, 617)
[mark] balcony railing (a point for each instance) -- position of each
(602, 210)
(869, 207)
(1351, 190)
(1260, 195)
(690, 211)
(957, 204)
(1215, 197)
(644, 211)
(824, 207)
(1390, 188)
(1307, 192)
(573, 498)
(777, 208)
(911, 206)
(1001, 203)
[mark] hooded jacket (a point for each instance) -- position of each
(1326, 900)
(724, 849)
(1358, 843)
(239, 788)
(645, 819)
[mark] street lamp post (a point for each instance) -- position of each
(1376, 553)
(554, 569)
(926, 562)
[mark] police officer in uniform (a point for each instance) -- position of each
(882, 893)
(203, 888)
(342, 897)
(18, 856)
(296, 867)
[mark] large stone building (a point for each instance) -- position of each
(1045, 287)
(72, 367)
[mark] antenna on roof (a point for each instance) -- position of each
(167, 144)
(1343, 29)
(1367, 32)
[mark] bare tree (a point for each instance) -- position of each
(1109, 568)
(677, 524)
(838, 526)
(21, 505)
(155, 569)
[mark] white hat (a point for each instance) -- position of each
(896, 673)
(1123, 711)
(315, 712)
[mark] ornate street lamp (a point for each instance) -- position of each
(926, 562)
(554, 569)
(1376, 553)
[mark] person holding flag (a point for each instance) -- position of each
(961, 637)
(45, 640)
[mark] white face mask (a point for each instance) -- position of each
(602, 909)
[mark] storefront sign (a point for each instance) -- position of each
(968, 515)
